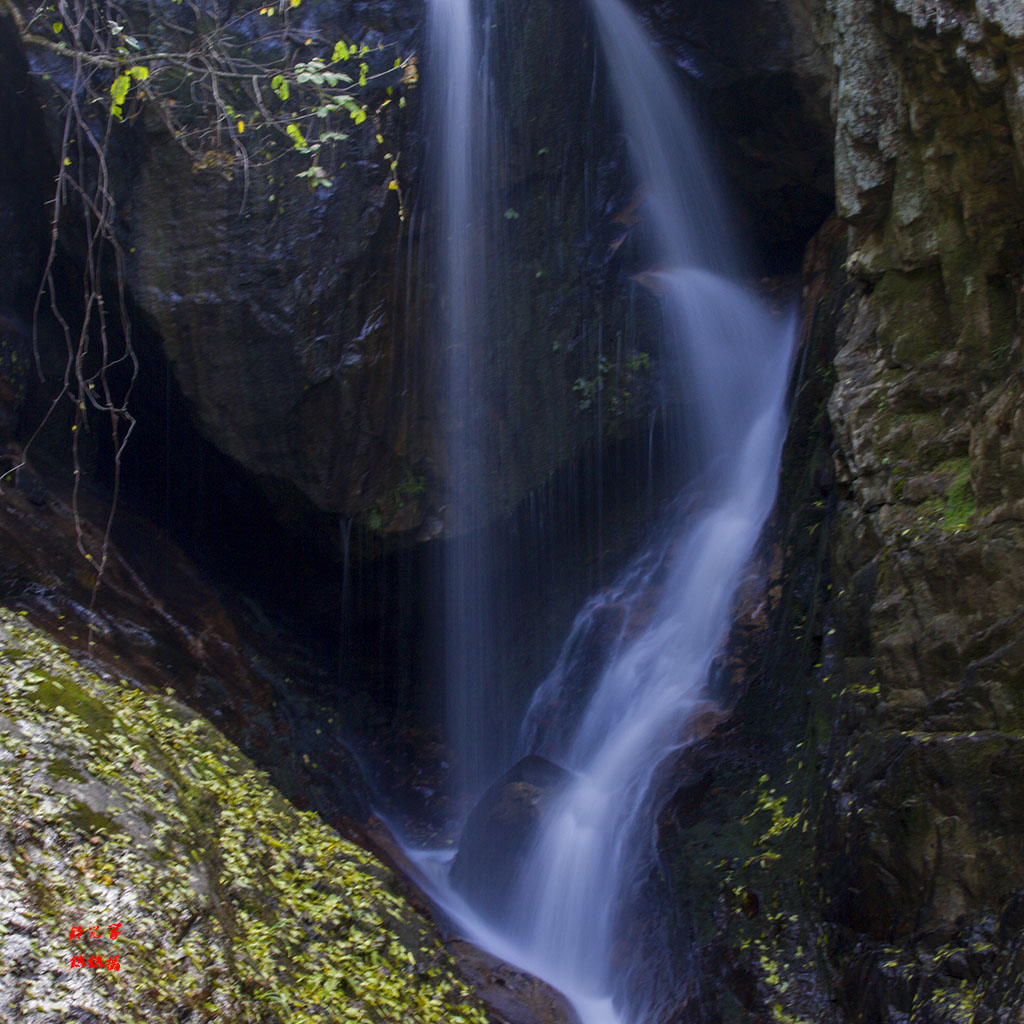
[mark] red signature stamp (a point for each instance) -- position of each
(78, 933)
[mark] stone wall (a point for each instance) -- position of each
(900, 750)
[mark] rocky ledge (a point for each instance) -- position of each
(120, 807)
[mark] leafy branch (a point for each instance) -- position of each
(228, 83)
(236, 84)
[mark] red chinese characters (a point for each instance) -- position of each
(95, 932)
(110, 963)
(95, 961)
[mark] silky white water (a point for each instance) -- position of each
(460, 141)
(732, 357)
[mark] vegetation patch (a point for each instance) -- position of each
(121, 807)
(396, 501)
(955, 511)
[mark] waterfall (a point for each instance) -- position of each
(732, 356)
(461, 170)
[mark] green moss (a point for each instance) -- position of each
(406, 493)
(61, 768)
(234, 906)
(955, 510)
(85, 820)
(617, 386)
(51, 692)
(914, 314)
(960, 505)
(1002, 307)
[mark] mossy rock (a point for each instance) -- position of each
(122, 807)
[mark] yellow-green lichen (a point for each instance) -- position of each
(121, 806)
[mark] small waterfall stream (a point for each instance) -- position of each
(733, 357)
(461, 173)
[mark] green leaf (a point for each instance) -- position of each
(364, 70)
(341, 51)
(119, 92)
(58, 27)
(356, 112)
(138, 72)
(280, 86)
(295, 135)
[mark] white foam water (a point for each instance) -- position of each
(733, 356)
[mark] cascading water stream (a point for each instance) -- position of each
(733, 359)
(461, 171)
(574, 884)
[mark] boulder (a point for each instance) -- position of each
(515, 996)
(500, 829)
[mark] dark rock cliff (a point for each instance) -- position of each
(288, 406)
(923, 828)
(868, 866)
(26, 165)
(297, 323)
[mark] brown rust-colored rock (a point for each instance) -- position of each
(514, 995)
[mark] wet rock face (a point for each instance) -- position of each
(500, 829)
(300, 325)
(929, 172)
(274, 302)
(762, 67)
(516, 997)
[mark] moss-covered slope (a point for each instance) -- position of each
(120, 806)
